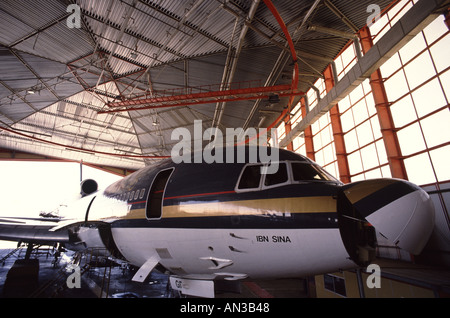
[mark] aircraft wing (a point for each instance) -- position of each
(29, 230)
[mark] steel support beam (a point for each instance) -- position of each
(415, 20)
(229, 72)
(382, 105)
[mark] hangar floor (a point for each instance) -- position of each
(47, 279)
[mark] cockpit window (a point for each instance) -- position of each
(308, 172)
(251, 177)
(289, 172)
(281, 176)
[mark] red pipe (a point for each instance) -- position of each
(231, 92)
(294, 84)
(234, 99)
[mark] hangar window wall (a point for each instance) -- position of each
(417, 83)
(366, 153)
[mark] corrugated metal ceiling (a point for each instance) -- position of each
(54, 79)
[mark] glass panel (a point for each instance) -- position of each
(307, 172)
(365, 134)
(356, 94)
(319, 158)
(351, 141)
(339, 285)
(360, 112)
(436, 128)
(280, 176)
(386, 171)
(373, 174)
(440, 162)
(301, 150)
(376, 129)
(411, 139)
(369, 157)
(440, 53)
(371, 104)
(428, 98)
(396, 86)
(354, 162)
(403, 111)
(250, 177)
(317, 141)
(435, 29)
(347, 121)
(344, 104)
(419, 169)
(419, 70)
(445, 80)
(412, 48)
(381, 150)
(390, 66)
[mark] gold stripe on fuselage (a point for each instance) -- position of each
(320, 204)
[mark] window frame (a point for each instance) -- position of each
(237, 189)
(290, 175)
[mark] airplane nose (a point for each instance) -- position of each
(399, 210)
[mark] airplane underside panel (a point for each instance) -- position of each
(233, 253)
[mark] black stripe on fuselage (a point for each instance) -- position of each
(383, 197)
(326, 220)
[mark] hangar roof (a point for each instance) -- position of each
(56, 82)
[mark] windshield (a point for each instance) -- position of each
(308, 172)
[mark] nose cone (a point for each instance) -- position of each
(401, 211)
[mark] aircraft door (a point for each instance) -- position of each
(153, 208)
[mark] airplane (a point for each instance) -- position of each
(230, 221)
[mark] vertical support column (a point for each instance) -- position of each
(339, 143)
(388, 131)
(309, 145)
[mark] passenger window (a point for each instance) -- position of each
(281, 176)
(306, 172)
(251, 177)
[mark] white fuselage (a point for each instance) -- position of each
(258, 253)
